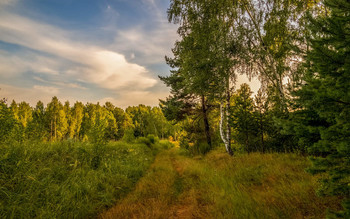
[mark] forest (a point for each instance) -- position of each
(213, 148)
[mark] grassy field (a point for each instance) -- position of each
(69, 179)
(219, 186)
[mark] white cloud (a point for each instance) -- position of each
(151, 39)
(152, 44)
(108, 69)
(115, 72)
(12, 64)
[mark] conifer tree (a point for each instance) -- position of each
(242, 117)
(324, 100)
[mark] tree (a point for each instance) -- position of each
(261, 109)
(36, 128)
(112, 129)
(325, 95)
(7, 122)
(274, 41)
(97, 124)
(124, 122)
(23, 114)
(77, 114)
(242, 117)
(56, 119)
(203, 57)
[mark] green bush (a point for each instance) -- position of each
(165, 144)
(153, 139)
(199, 148)
(129, 135)
(144, 140)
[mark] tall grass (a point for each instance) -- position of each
(220, 186)
(256, 185)
(68, 179)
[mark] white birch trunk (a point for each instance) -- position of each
(222, 132)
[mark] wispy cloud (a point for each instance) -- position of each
(58, 60)
(149, 44)
(65, 84)
(92, 64)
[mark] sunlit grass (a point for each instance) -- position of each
(219, 186)
(67, 179)
(260, 186)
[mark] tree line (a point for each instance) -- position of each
(90, 122)
(299, 51)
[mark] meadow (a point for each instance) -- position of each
(69, 179)
(216, 185)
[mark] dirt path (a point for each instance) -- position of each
(162, 193)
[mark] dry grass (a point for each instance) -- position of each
(219, 186)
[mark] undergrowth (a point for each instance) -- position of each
(69, 179)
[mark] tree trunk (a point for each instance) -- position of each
(55, 128)
(228, 127)
(262, 133)
(206, 122)
(225, 139)
(51, 131)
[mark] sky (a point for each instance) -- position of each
(85, 50)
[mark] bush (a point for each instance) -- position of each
(153, 139)
(144, 140)
(165, 144)
(129, 136)
(199, 148)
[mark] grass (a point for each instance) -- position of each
(80, 180)
(219, 186)
(68, 179)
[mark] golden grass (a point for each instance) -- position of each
(219, 186)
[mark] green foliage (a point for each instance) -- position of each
(242, 118)
(129, 135)
(37, 127)
(56, 120)
(144, 140)
(150, 141)
(147, 120)
(7, 123)
(321, 120)
(90, 122)
(165, 144)
(60, 180)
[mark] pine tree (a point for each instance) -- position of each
(242, 118)
(325, 95)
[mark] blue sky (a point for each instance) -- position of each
(85, 50)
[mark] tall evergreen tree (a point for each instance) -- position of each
(242, 118)
(324, 100)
